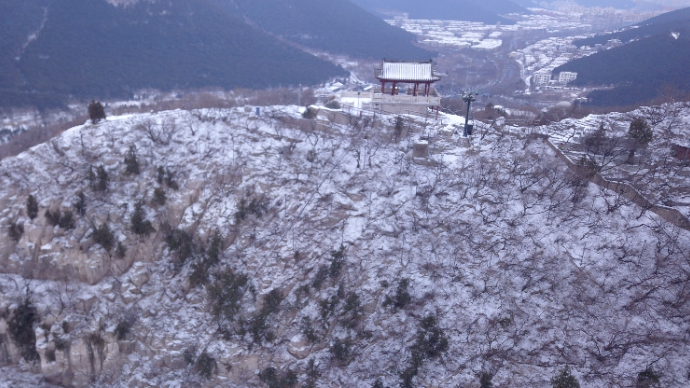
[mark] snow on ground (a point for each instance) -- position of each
(655, 171)
(14, 377)
(526, 267)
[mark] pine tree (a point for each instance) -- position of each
(31, 207)
(648, 378)
(641, 134)
(103, 236)
(640, 131)
(131, 162)
(565, 380)
(96, 112)
(16, 231)
(80, 205)
(485, 380)
(140, 225)
(159, 197)
(99, 180)
(21, 329)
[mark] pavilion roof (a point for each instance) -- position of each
(406, 71)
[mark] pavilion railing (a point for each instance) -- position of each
(379, 98)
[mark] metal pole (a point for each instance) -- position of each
(469, 97)
(467, 118)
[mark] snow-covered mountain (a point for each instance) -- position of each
(239, 243)
(51, 51)
(93, 49)
(335, 26)
(470, 10)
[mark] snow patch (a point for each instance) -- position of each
(34, 35)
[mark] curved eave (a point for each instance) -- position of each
(409, 80)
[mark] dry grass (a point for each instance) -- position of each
(191, 100)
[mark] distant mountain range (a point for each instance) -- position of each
(618, 4)
(678, 19)
(471, 10)
(640, 71)
(336, 26)
(52, 49)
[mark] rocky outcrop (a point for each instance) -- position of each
(80, 360)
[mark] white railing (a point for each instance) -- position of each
(379, 98)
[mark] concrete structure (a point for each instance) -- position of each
(420, 149)
(397, 104)
(404, 104)
(567, 76)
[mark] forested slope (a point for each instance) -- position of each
(639, 71)
(89, 48)
(470, 10)
(335, 26)
(679, 19)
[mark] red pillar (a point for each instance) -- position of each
(416, 85)
(383, 87)
(395, 84)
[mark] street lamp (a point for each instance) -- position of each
(468, 98)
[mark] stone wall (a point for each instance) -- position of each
(625, 190)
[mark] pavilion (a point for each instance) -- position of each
(417, 73)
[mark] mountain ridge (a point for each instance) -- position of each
(90, 48)
(340, 28)
(469, 10)
(638, 70)
(678, 19)
(94, 49)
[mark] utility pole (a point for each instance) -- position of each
(468, 98)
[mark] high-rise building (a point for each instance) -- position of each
(567, 76)
(541, 78)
